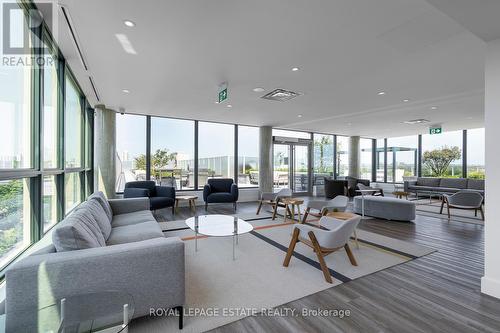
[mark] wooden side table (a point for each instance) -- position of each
(290, 204)
(401, 194)
(189, 198)
(345, 216)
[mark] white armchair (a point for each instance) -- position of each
(273, 199)
(335, 236)
(339, 203)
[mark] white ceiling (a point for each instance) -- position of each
(347, 51)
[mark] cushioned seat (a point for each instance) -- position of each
(220, 197)
(134, 233)
(386, 208)
(422, 188)
(132, 218)
(161, 202)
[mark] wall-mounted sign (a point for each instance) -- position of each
(435, 130)
(222, 92)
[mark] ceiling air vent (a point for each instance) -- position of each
(280, 95)
(416, 121)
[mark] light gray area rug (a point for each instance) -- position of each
(226, 290)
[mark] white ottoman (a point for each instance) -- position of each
(386, 208)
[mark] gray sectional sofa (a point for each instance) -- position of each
(425, 185)
(114, 245)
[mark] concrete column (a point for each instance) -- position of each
(490, 283)
(354, 156)
(266, 159)
(105, 151)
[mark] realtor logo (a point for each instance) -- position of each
(22, 26)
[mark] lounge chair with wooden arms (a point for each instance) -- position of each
(324, 242)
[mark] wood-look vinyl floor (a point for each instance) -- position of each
(439, 292)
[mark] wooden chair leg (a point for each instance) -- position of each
(306, 213)
(319, 254)
(291, 247)
(448, 208)
(350, 255)
(475, 212)
(275, 206)
(482, 212)
(258, 209)
(356, 239)
(442, 206)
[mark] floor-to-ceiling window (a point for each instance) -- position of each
(380, 160)
(475, 153)
(366, 160)
(172, 152)
(130, 149)
(248, 156)
(342, 156)
(35, 172)
(323, 157)
(215, 151)
(73, 117)
(15, 148)
(402, 154)
(442, 154)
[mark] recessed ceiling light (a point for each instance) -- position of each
(299, 115)
(434, 107)
(294, 69)
(258, 89)
(416, 121)
(229, 106)
(126, 91)
(381, 93)
(129, 23)
(406, 100)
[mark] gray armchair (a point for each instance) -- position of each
(338, 203)
(464, 199)
(324, 242)
(273, 199)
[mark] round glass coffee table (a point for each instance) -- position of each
(218, 226)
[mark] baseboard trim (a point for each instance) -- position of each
(490, 286)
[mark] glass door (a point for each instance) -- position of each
(292, 167)
(281, 166)
(301, 168)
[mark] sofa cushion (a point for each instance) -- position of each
(428, 181)
(78, 231)
(422, 188)
(161, 202)
(220, 197)
(99, 196)
(132, 218)
(134, 233)
(92, 206)
(460, 183)
(475, 184)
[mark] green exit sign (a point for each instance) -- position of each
(222, 95)
(435, 130)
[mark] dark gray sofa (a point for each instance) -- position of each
(425, 185)
(103, 245)
(159, 196)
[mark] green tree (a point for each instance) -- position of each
(438, 160)
(322, 144)
(160, 159)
